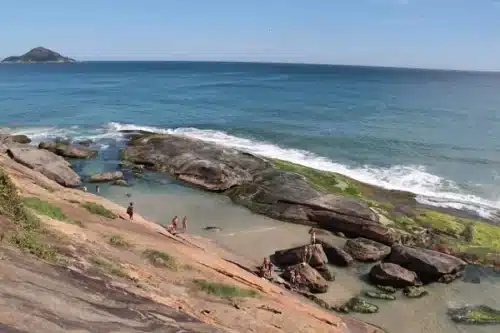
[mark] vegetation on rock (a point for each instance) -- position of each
(119, 241)
(161, 259)
(481, 314)
(45, 208)
(99, 209)
(223, 290)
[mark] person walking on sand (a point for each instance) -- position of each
(130, 211)
(184, 224)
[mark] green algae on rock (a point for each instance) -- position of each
(387, 289)
(415, 292)
(357, 304)
(478, 315)
(379, 295)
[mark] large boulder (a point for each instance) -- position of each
(309, 278)
(326, 272)
(52, 166)
(199, 163)
(293, 256)
(66, 150)
(14, 138)
(106, 177)
(335, 254)
(429, 265)
(364, 249)
(388, 274)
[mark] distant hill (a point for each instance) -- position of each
(39, 55)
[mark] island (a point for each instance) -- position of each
(39, 55)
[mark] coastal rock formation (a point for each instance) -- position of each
(387, 274)
(52, 166)
(14, 138)
(326, 272)
(67, 150)
(359, 305)
(106, 177)
(429, 265)
(255, 183)
(335, 254)
(415, 292)
(363, 249)
(38, 55)
(310, 278)
(289, 257)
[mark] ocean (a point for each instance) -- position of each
(434, 133)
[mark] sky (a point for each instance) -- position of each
(448, 34)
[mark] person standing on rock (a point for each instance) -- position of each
(173, 225)
(313, 236)
(305, 254)
(130, 211)
(184, 224)
(292, 277)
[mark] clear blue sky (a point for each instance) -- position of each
(461, 34)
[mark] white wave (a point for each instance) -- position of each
(430, 189)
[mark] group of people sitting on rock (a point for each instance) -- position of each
(267, 268)
(173, 226)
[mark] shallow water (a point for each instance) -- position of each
(256, 237)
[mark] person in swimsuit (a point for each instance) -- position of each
(173, 225)
(97, 189)
(313, 237)
(130, 210)
(184, 224)
(292, 277)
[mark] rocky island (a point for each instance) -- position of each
(39, 55)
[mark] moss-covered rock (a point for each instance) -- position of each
(379, 295)
(387, 289)
(357, 304)
(478, 315)
(415, 292)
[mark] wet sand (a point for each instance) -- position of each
(255, 237)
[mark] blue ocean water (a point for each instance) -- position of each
(435, 133)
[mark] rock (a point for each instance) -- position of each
(85, 143)
(310, 278)
(293, 256)
(120, 182)
(67, 150)
(14, 138)
(315, 299)
(52, 166)
(335, 254)
(212, 228)
(359, 305)
(388, 274)
(449, 278)
(364, 249)
(379, 295)
(415, 292)
(478, 315)
(429, 265)
(106, 177)
(326, 272)
(387, 289)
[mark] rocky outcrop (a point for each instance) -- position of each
(296, 255)
(415, 292)
(363, 249)
(67, 150)
(52, 166)
(309, 278)
(255, 183)
(39, 55)
(359, 305)
(106, 177)
(429, 265)
(387, 274)
(326, 272)
(477, 315)
(335, 254)
(14, 138)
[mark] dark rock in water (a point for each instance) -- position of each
(326, 272)
(47, 163)
(415, 292)
(388, 274)
(66, 150)
(211, 228)
(335, 254)
(85, 143)
(106, 177)
(449, 278)
(379, 295)
(429, 265)
(310, 278)
(364, 249)
(387, 289)
(293, 256)
(39, 55)
(120, 182)
(315, 299)
(359, 305)
(479, 315)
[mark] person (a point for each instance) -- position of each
(270, 269)
(184, 224)
(97, 189)
(173, 225)
(310, 254)
(313, 237)
(305, 254)
(298, 278)
(130, 210)
(84, 189)
(292, 277)
(264, 268)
